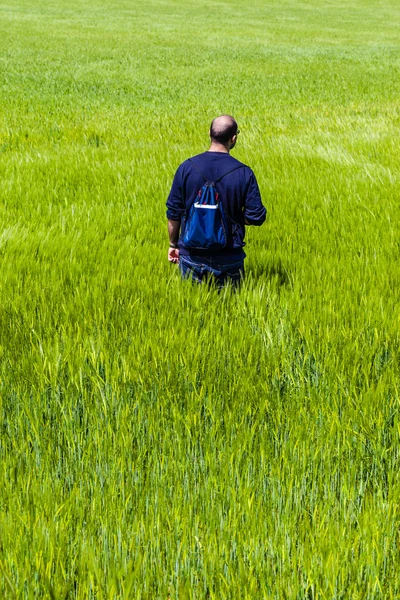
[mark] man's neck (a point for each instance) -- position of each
(218, 148)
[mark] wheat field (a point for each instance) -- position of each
(160, 440)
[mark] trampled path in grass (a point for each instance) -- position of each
(163, 441)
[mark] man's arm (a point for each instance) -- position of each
(175, 211)
(173, 233)
(254, 211)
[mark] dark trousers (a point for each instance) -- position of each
(218, 271)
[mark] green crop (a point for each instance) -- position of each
(160, 440)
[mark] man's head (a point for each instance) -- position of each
(223, 131)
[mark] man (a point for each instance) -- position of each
(238, 191)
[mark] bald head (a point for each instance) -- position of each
(223, 129)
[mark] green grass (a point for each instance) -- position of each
(163, 441)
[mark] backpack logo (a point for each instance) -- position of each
(206, 225)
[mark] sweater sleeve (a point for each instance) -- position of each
(254, 211)
(176, 201)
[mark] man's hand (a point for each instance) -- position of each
(173, 255)
(173, 234)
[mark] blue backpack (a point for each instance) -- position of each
(206, 225)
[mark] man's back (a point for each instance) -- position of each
(238, 191)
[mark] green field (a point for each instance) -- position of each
(159, 440)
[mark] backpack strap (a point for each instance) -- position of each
(219, 178)
(197, 169)
(231, 171)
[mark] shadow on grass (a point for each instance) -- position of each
(273, 271)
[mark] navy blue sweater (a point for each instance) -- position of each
(238, 192)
